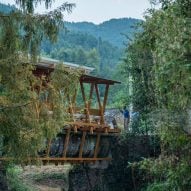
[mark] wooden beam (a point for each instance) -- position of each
(85, 102)
(98, 96)
(82, 144)
(66, 142)
(83, 92)
(97, 146)
(81, 124)
(100, 105)
(73, 159)
(101, 131)
(87, 113)
(105, 97)
(102, 121)
(60, 159)
(94, 128)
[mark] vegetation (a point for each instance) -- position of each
(158, 60)
(24, 112)
(156, 71)
(84, 49)
(15, 182)
(112, 31)
(98, 46)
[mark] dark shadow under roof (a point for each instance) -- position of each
(97, 80)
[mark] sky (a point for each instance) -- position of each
(97, 11)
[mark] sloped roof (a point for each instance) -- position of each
(50, 63)
(97, 80)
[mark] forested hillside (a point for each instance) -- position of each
(99, 46)
(113, 31)
(84, 49)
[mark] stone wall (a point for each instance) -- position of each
(118, 176)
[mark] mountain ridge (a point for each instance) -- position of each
(113, 30)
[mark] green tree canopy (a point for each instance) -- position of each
(25, 117)
(159, 62)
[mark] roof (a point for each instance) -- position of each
(51, 63)
(47, 65)
(97, 80)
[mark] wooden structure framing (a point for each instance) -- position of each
(91, 123)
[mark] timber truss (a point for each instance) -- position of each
(87, 137)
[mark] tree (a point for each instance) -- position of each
(93, 60)
(24, 114)
(80, 57)
(159, 63)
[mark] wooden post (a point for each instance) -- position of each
(83, 92)
(85, 103)
(105, 97)
(97, 146)
(100, 106)
(66, 142)
(82, 144)
(98, 96)
(87, 113)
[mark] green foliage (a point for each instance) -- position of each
(28, 6)
(159, 62)
(30, 111)
(15, 182)
(24, 32)
(98, 46)
(84, 49)
(88, 44)
(112, 31)
(25, 114)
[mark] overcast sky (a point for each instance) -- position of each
(98, 11)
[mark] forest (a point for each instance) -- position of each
(152, 59)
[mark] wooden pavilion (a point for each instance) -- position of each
(87, 138)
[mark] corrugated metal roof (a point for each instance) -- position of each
(50, 63)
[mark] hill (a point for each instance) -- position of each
(99, 46)
(84, 49)
(113, 31)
